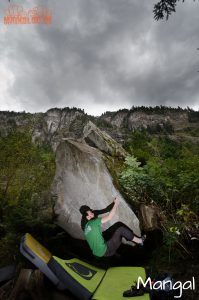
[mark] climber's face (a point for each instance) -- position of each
(90, 215)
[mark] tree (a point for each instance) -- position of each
(164, 8)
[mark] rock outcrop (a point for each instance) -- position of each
(138, 118)
(58, 123)
(101, 140)
(82, 178)
(151, 217)
(51, 126)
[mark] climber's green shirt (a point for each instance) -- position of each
(93, 235)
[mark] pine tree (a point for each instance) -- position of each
(164, 8)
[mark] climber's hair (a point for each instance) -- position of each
(83, 210)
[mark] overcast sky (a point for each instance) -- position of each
(100, 55)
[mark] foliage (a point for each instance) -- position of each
(25, 176)
(177, 177)
(67, 109)
(159, 109)
(193, 116)
(138, 185)
(22, 163)
(137, 146)
(164, 8)
(165, 170)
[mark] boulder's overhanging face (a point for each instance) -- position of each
(82, 178)
(101, 140)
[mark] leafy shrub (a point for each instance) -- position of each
(138, 185)
(26, 174)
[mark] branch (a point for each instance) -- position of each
(164, 8)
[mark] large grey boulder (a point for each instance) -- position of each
(82, 178)
(101, 140)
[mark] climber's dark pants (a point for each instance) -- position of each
(113, 236)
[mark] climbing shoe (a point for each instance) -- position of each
(133, 292)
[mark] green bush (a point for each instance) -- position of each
(138, 185)
(165, 171)
(26, 174)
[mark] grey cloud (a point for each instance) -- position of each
(109, 52)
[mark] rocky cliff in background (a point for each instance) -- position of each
(69, 122)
